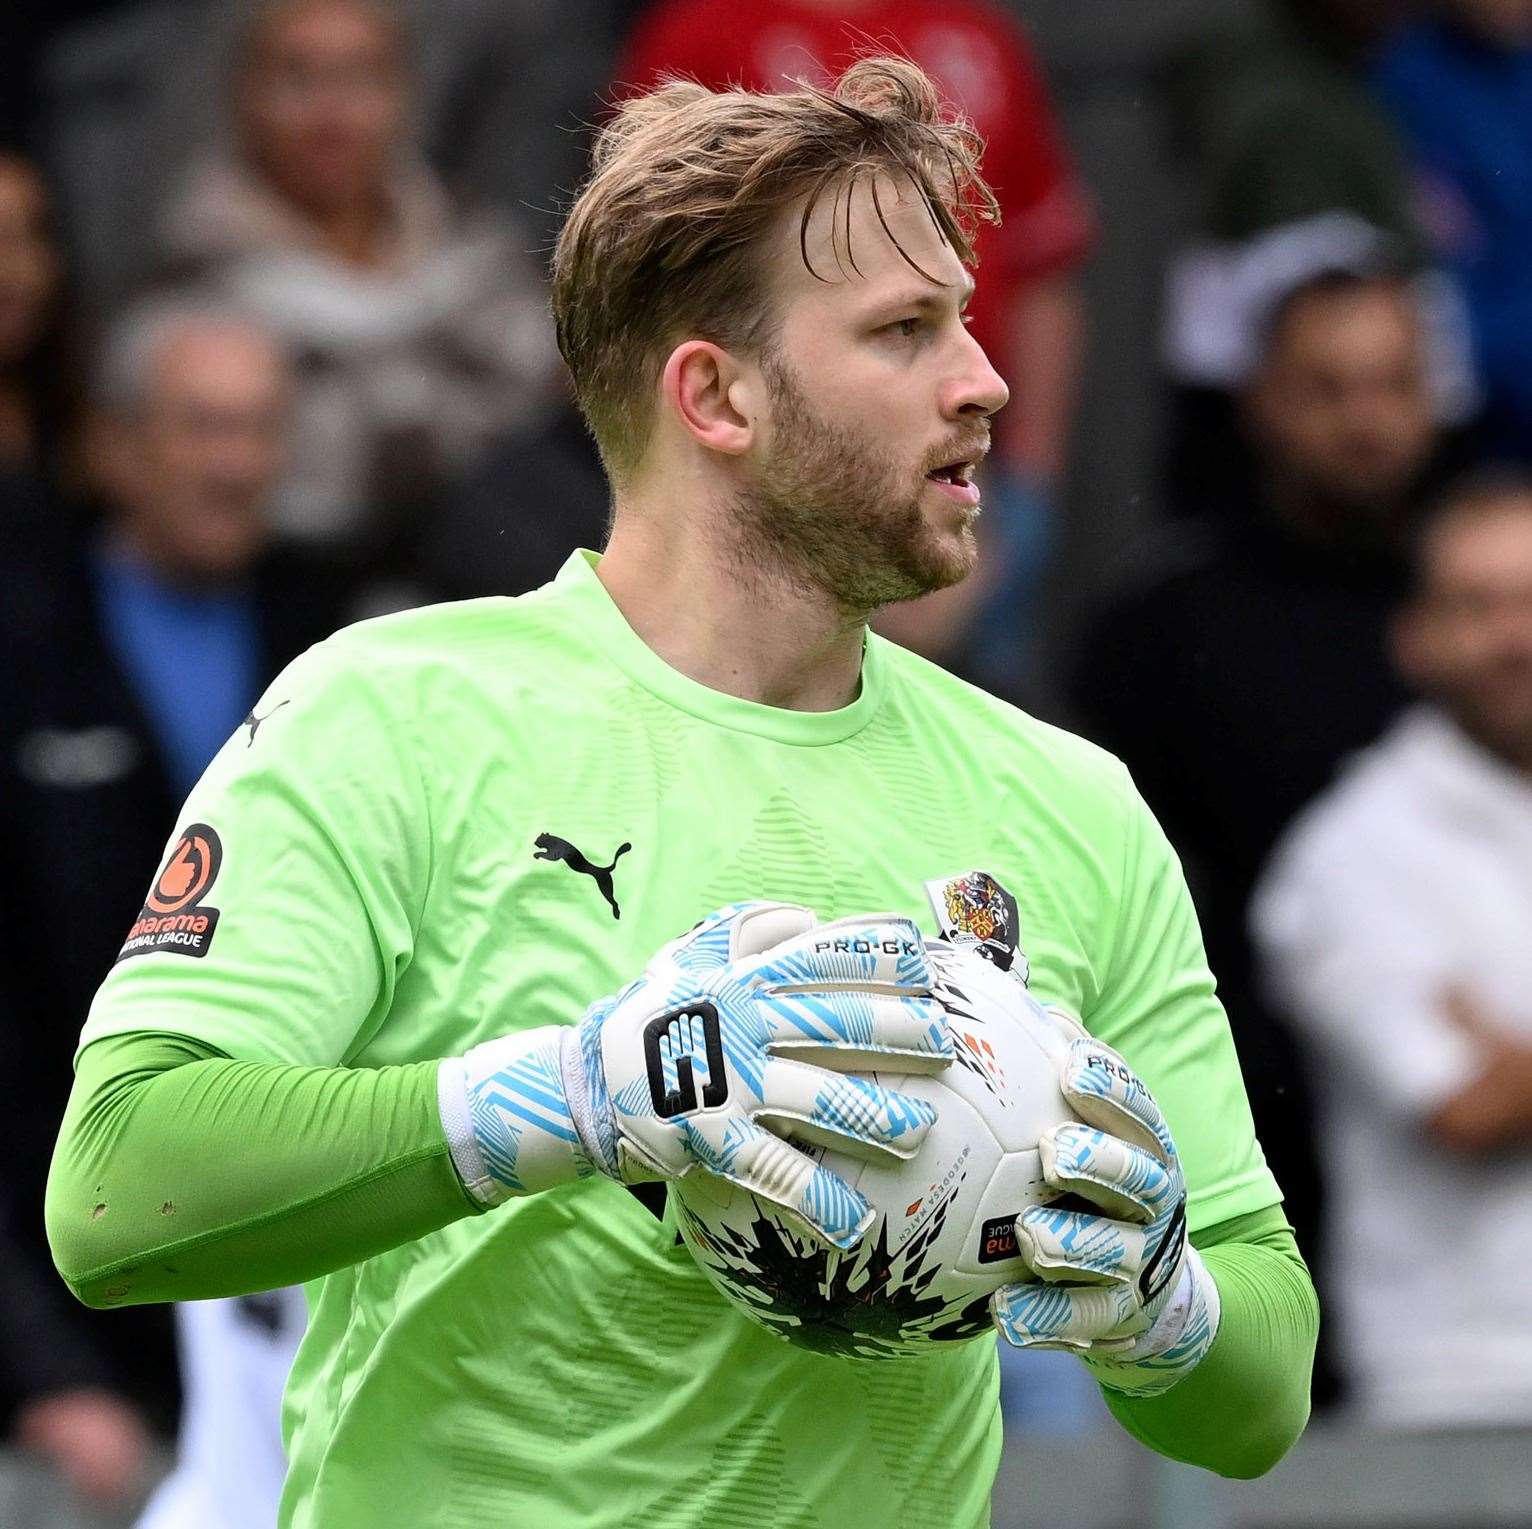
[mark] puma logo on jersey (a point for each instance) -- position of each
(253, 721)
(551, 847)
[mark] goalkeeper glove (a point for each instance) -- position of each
(704, 1062)
(1121, 1287)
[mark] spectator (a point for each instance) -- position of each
(418, 338)
(1460, 87)
(1272, 102)
(1394, 918)
(1247, 655)
(31, 365)
(156, 633)
(230, 1461)
(1287, 149)
(501, 92)
(1192, 667)
(1220, 301)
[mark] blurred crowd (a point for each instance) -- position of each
(275, 355)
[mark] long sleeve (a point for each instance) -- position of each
(181, 1174)
(1246, 1404)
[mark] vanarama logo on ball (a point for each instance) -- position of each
(174, 917)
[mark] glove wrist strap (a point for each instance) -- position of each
(507, 1117)
(1176, 1343)
(590, 1105)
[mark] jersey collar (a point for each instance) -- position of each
(593, 609)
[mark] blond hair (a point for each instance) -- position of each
(665, 240)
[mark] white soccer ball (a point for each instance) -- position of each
(943, 1237)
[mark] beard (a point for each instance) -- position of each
(829, 512)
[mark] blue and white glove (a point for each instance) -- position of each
(1124, 1288)
(706, 1061)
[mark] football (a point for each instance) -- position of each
(942, 1239)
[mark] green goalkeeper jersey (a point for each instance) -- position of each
(444, 825)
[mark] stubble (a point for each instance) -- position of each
(829, 513)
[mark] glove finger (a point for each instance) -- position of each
(1065, 1023)
(752, 1157)
(881, 948)
(1064, 1317)
(1104, 1091)
(759, 926)
(735, 930)
(842, 1110)
(1125, 1181)
(859, 1030)
(1072, 1246)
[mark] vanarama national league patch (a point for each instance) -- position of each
(174, 917)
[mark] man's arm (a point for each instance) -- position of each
(1247, 1403)
(1117, 1284)
(1360, 941)
(1171, 1335)
(182, 1174)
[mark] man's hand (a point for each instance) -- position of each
(1120, 1286)
(95, 1440)
(706, 1061)
(1493, 1111)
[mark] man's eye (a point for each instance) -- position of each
(906, 328)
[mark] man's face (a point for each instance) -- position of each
(196, 465)
(1466, 640)
(322, 101)
(876, 389)
(1339, 411)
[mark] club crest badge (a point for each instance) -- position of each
(974, 911)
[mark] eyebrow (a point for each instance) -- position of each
(927, 299)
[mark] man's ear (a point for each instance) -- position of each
(713, 395)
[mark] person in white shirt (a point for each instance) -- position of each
(230, 1464)
(1395, 924)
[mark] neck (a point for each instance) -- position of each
(1511, 747)
(128, 538)
(352, 234)
(733, 626)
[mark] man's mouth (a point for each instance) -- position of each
(955, 479)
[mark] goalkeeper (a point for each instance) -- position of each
(357, 1035)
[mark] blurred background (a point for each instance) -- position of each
(275, 355)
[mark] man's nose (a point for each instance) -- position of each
(975, 387)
